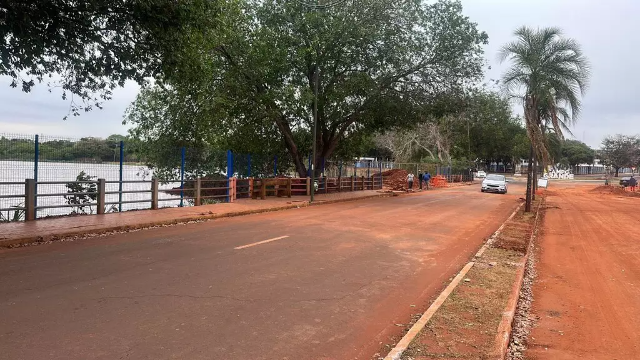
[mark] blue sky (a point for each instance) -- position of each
(608, 31)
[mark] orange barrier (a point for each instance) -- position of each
(438, 181)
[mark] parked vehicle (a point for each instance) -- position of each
(624, 182)
(495, 183)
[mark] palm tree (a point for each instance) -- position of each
(548, 74)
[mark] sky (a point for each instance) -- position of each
(608, 31)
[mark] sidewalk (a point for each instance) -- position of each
(16, 233)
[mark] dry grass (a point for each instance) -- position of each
(465, 326)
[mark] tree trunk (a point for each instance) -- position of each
(527, 206)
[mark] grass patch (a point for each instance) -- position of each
(466, 325)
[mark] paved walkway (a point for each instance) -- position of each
(50, 229)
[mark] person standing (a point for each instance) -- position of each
(410, 180)
(633, 183)
(427, 179)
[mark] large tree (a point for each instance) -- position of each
(379, 64)
(576, 152)
(87, 48)
(548, 74)
(620, 151)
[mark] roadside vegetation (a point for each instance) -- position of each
(466, 325)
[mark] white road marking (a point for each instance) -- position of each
(261, 242)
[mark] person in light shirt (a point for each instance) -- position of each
(410, 180)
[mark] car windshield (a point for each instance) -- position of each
(495, 177)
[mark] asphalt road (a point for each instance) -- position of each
(326, 282)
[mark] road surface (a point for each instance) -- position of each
(325, 282)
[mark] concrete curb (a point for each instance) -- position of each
(406, 340)
(403, 344)
(506, 323)
(10, 243)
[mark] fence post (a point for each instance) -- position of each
(326, 182)
(373, 183)
(154, 194)
(101, 196)
(353, 183)
(229, 173)
(275, 166)
(381, 179)
(198, 195)
(30, 199)
(289, 187)
(251, 188)
(36, 159)
(232, 185)
(308, 186)
(182, 153)
(120, 182)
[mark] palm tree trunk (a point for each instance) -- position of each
(527, 206)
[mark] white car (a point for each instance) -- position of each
(481, 174)
(494, 183)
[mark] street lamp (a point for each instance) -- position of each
(316, 5)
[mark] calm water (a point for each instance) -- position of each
(18, 171)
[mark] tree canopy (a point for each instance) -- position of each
(576, 152)
(619, 151)
(380, 64)
(87, 48)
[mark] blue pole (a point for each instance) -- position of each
(368, 169)
(229, 172)
(275, 166)
(182, 153)
(120, 183)
(340, 170)
(249, 165)
(309, 168)
(35, 171)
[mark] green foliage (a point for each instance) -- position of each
(251, 85)
(82, 193)
(548, 74)
(87, 48)
(15, 215)
(88, 149)
(483, 130)
(619, 151)
(577, 152)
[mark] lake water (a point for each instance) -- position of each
(18, 171)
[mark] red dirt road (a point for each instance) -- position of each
(587, 294)
(335, 288)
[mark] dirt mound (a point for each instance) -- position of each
(396, 179)
(614, 190)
